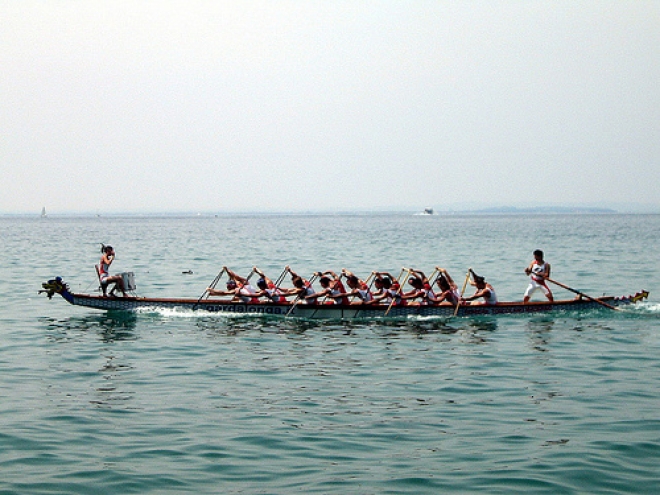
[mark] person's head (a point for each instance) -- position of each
(352, 281)
(231, 284)
(108, 250)
(415, 282)
(378, 283)
(479, 281)
(443, 283)
(538, 254)
(387, 283)
(261, 283)
(325, 282)
(298, 282)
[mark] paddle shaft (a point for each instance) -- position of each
(212, 286)
(436, 278)
(398, 290)
(609, 306)
(370, 280)
(458, 304)
(280, 279)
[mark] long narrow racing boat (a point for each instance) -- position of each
(329, 311)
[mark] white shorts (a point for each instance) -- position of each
(534, 286)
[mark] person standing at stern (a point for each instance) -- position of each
(538, 270)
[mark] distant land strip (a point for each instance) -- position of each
(541, 209)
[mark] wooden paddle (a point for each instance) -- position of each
(212, 286)
(247, 280)
(609, 306)
(458, 304)
(437, 269)
(398, 290)
(280, 279)
(370, 284)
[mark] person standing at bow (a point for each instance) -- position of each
(538, 270)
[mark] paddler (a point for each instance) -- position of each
(268, 288)
(357, 286)
(232, 289)
(421, 289)
(302, 288)
(237, 286)
(333, 288)
(448, 289)
(390, 290)
(484, 290)
(538, 270)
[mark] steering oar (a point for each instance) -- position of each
(609, 306)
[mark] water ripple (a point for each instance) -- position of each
(182, 403)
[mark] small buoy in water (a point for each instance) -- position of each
(189, 272)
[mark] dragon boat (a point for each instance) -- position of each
(331, 311)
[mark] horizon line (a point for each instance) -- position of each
(493, 210)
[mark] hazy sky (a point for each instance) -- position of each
(303, 105)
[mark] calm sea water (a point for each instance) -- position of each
(95, 403)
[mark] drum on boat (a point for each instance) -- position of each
(129, 281)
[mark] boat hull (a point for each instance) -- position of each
(336, 311)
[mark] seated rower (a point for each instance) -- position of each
(232, 290)
(332, 290)
(421, 289)
(302, 288)
(448, 288)
(378, 286)
(237, 286)
(267, 288)
(358, 288)
(484, 290)
(391, 290)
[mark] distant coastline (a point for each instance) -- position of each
(541, 210)
(401, 210)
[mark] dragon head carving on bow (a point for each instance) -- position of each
(53, 286)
